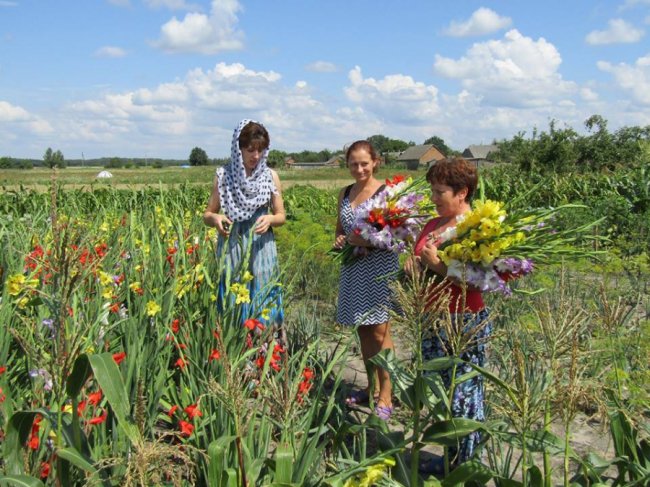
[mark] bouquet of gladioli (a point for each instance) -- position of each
(489, 247)
(391, 219)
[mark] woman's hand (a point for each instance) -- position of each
(412, 265)
(340, 241)
(222, 223)
(357, 240)
(429, 256)
(263, 224)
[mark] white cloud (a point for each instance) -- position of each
(515, 71)
(170, 4)
(618, 32)
(321, 67)
(587, 94)
(396, 97)
(634, 79)
(633, 3)
(203, 34)
(483, 21)
(110, 52)
(20, 119)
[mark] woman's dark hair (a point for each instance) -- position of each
(455, 172)
(362, 145)
(254, 135)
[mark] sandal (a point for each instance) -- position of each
(358, 397)
(383, 412)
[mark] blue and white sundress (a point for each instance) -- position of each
(364, 291)
(264, 289)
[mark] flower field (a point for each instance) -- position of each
(118, 368)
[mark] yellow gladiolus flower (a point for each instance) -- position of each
(248, 277)
(15, 284)
(153, 308)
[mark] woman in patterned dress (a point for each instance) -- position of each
(364, 300)
(453, 182)
(249, 193)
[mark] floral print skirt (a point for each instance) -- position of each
(469, 395)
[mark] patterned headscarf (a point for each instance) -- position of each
(241, 196)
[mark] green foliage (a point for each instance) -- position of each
(440, 144)
(198, 157)
(53, 159)
(276, 158)
(383, 144)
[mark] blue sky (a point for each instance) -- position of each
(155, 78)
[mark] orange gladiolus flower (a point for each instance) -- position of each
(252, 323)
(45, 470)
(214, 355)
(180, 363)
(192, 411)
(172, 410)
(186, 428)
(176, 325)
(95, 397)
(98, 419)
(118, 357)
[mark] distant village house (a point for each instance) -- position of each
(480, 154)
(333, 161)
(418, 156)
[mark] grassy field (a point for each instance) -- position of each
(40, 178)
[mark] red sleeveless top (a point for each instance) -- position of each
(473, 297)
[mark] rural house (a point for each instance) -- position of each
(333, 161)
(480, 154)
(420, 156)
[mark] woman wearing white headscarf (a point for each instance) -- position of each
(249, 194)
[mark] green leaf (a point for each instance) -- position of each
(110, 380)
(76, 459)
(283, 463)
(18, 430)
(449, 432)
(21, 481)
(81, 370)
(471, 471)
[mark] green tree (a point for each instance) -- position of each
(5, 163)
(54, 159)
(440, 144)
(198, 157)
(114, 163)
(276, 158)
(383, 144)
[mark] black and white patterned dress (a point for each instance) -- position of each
(363, 298)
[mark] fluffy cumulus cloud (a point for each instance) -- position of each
(515, 71)
(482, 21)
(632, 78)
(203, 33)
(395, 97)
(110, 52)
(321, 67)
(618, 32)
(19, 117)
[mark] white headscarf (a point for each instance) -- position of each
(241, 196)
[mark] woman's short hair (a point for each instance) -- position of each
(254, 135)
(456, 173)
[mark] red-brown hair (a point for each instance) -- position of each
(455, 172)
(363, 145)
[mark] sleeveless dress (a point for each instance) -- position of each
(364, 299)
(264, 289)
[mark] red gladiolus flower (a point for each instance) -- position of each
(176, 325)
(172, 410)
(2, 396)
(308, 373)
(214, 355)
(115, 307)
(33, 442)
(181, 346)
(180, 363)
(192, 411)
(95, 397)
(260, 361)
(98, 419)
(186, 428)
(81, 407)
(249, 341)
(396, 180)
(3, 369)
(45, 470)
(118, 357)
(101, 249)
(252, 323)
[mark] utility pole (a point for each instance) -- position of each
(83, 160)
